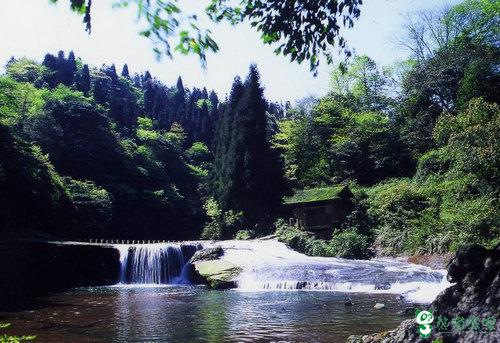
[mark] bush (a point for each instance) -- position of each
(245, 234)
(222, 224)
(350, 244)
(434, 162)
(434, 215)
(93, 207)
(292, 237)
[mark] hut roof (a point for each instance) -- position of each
(315, 195)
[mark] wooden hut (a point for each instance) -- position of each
(320, 210)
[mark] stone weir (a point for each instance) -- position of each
(31, 268)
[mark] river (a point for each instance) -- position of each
(282, 296)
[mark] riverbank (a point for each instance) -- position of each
(468, 311)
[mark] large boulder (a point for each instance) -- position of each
(218, 274)
(473, 302)
(207, 268)
(207, 254)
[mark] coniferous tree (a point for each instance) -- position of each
(64, 69)
(125, 72)
(149, 95)
(71, 69)
(221, 176)
(204, 93)
(180, 96)
(50, 62)
(82, 80)
(247, 174)
(147, 76)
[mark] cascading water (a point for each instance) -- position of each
(161, 263)
(270, 265)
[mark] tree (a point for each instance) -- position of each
(472, 140)
(125, 72)
(451, 73)
(82, 80)
(50, 62)
(431, 30)
(248, 174)
(301, 29)
(362, 83)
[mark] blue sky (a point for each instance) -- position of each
(33, 27)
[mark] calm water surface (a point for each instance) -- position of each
(194, 314)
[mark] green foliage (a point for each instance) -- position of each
(77, 162)
(315, 194)
(145, 129)
(26, 70)
(300, 240)
(247, 175)
(33, 196)
(176, 135)
(245, 234)
(64, 94)
(198, 153)
(350, 244)
(4, 338)
(223, 224)
(274, 21)
(92, 207)
(335, 143)
(363, 84)
(344, 243)
(18, 101)
(434, 215)
(472, 139)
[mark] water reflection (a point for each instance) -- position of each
(194, 314)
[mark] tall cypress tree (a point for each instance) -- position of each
(71, 68)
(180, 95)
(50, 62)
(221, 175)
(247, 174)
(82, 80)
(125, 72)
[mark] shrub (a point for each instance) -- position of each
(307, 244)
(350, 244)
(93, 206)
(245, 234)
(434, 162)
(222, 224)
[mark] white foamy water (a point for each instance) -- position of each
(269, 265)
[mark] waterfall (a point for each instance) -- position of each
(270, 265)
(161, 263)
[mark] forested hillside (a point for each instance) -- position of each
(90, 152)
(418, 142)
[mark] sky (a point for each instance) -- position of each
(31, 28)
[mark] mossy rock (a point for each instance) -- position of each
(207, 254)
(218, 274)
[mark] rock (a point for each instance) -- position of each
(348, 302)
(218, 274)
(382, 286)
(208, 254)
(433, 261)
(410, 310)
(476, 271)
(379, 306)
